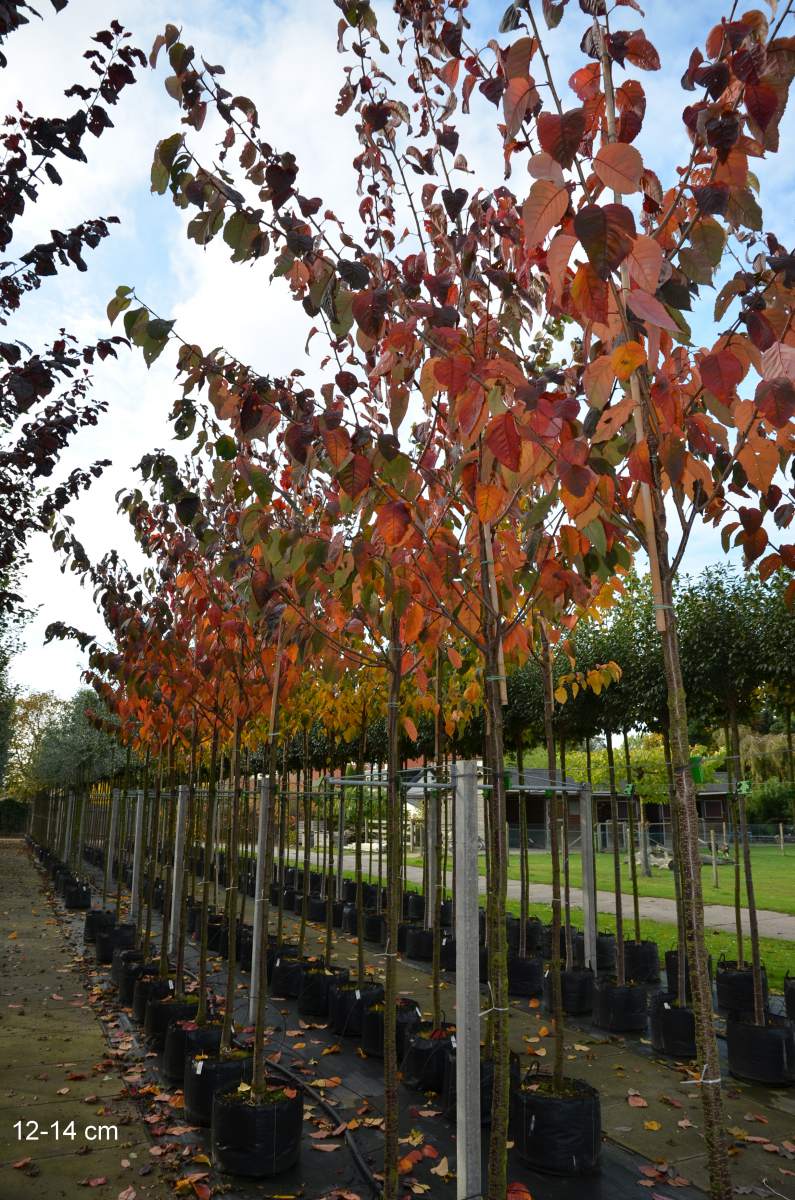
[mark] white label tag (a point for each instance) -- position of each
(171, 985)
(358, 994)
(452, 1041)
(199, 1066)
(278, 960)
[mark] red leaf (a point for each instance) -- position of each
(761, 100)
(720, 373)
(355, 475)
(607, 233)
(561, 136)
(574, 473)
(649, 308)
(776, 401)
(640, 52)
(503, 440)
(542, 210)
(619, 167)
(393, 521)
(519, 95)
(369, 309)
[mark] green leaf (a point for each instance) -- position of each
(119, 303)
(226, 447)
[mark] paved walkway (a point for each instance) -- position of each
(56, 1075)
(653, 908)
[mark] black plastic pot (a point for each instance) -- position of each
(337, 907)
(619, 1009)
(121, 957)
(419, 943)
(119, 937)
(257, 1140)
(446, 914)
(642, 962)
(286, 950)
(512, 933)
(605, 952)
(349, 891)
(160, 1012)
(374, 928)
(762, 1053)
(289, 898)
(560, 1135)
(450, 1091)
(525, 976)
(129, 975)
(317, 909)
(423, 1064)
(147, 986)
(216, 927)
(403, 932)
(313, 993)
(734, 987)
(534, 935)
(77, 895)
(577, 986)
(413, 906)
(673, 1028)
(184, 1039)
(204, 1075)
(789, 997)
(96, 919)
(546, 942)
(407, 1022)
(346, 1004)
(287, 975)
(447, 952)
(274, 891)
(672, 972)
(245, 947)
(349, 924)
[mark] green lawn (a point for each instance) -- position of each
(778, 955)
(774, 877)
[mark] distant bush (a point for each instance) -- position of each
(771, 801)
(13, 816)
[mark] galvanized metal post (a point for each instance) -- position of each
(179, 867)
(260, 895)
(135, 892)
(588, 876)
(110, 850)
(467, 984)
(340, 844)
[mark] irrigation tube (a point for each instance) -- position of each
(330, 1112)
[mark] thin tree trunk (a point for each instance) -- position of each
(209, 828)
(524, 906)
(555, 964)
(231, 893)
(611, 770)
(394, 903)
(566, 864)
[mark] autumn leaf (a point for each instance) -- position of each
(502, 438)
(635, 1100)
(626, 358)
(542, 210)
(619, 166)
(560, 136)
(652, 1126)
(393, 521)
(489, 502)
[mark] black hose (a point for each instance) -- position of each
(333, 1115)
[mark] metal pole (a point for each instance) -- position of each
(110, 850)
(781, 837)
(588, 876)
(260, 897)
(179, 859)
(713, 848)
(135, 898)
(467, 985)
(340, 843)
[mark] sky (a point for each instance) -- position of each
(284, 56)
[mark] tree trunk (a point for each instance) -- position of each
(394, 900)
(566, 864)
(555, 964)
(169, 847)
(209, 828)
(611, 770)
(231, 892)
(524, 906)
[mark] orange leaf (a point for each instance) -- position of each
(627, 358)
(644, 262)
(393, 521)
(542, 210)
(489, 501)
(619, 166)
(759, 459)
